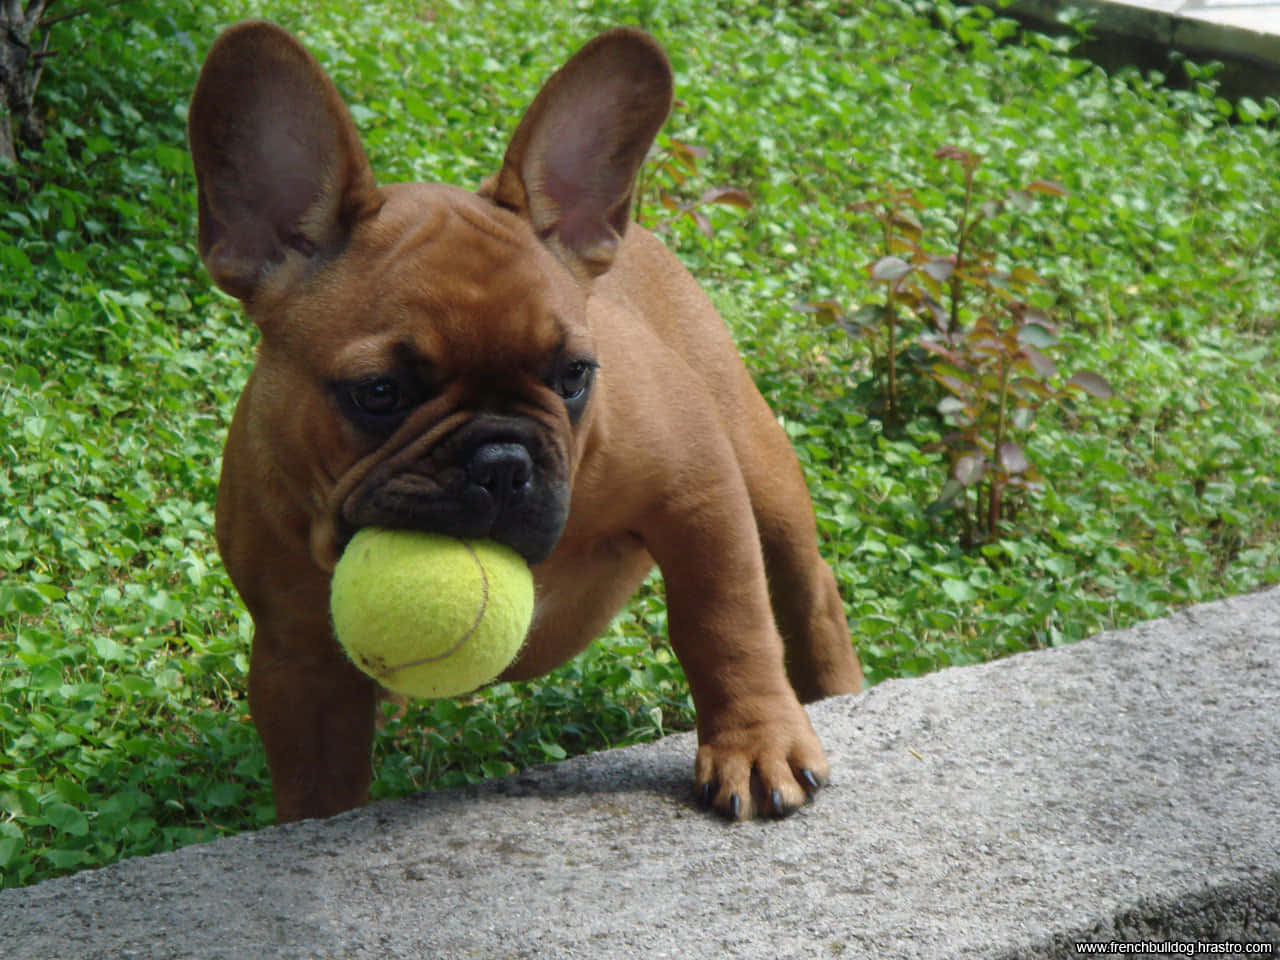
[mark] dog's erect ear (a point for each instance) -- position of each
(281, 176)
(572, 163)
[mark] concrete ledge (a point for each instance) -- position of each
(1127, 787)
(1143, 32)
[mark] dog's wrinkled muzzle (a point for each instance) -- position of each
(487, 476)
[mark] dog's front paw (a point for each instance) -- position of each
(767, 768)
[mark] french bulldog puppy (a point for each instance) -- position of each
(521, 363)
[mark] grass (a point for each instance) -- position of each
(123, 649)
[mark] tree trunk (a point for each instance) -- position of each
(20, 69)
(8, 156)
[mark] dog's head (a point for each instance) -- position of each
(426, 359)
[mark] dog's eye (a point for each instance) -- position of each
(575, 379)
(377, 398)
(377, 405)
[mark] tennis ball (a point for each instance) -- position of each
(428, 615)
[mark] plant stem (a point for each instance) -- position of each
(997, 486)
(961, 243)
(891, 324)
(891, 321)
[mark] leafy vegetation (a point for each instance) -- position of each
(989, 351)
(123, 650)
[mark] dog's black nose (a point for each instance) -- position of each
(502, 469)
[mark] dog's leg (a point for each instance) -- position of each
(757, 752)
(315, 714)
(821, 661)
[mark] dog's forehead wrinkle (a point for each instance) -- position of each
(423, 211)
(439, 290)
(430, 263)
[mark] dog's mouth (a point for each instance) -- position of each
(492, 477)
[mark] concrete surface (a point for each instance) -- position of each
(1243, 35)
(1126, 787)
(1201, 23)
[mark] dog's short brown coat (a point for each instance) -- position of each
(521, 363)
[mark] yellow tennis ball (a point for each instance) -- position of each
(428, 615)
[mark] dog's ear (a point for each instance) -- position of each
(281, 175)
(572, 163)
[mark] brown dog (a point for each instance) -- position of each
(519, 363)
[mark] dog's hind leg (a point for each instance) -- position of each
(820, 658)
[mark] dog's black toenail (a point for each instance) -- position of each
(779, 808)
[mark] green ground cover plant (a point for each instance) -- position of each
(977, 337)
(123, 650)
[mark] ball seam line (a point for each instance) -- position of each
(484, 605)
